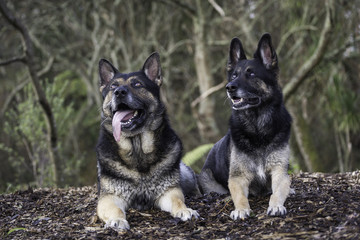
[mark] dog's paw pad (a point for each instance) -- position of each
(186, 214)
(278, 210)
(118, 224)
(240, 214)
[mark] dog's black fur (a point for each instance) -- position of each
(259, 126)
(138, 153)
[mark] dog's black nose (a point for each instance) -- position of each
(231, 86)
(121, 91)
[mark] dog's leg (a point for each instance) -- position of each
(281, 188)
(208, 183)
(239, 190)
(111, 210)
(173, 201)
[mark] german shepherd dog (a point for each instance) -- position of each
(138, 153)
(253, 157)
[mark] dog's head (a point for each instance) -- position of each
(131, 101)
(252, 83)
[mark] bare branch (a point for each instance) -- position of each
(217, 7)
(207, 93)
(246, 25)
(184, 7)
(291, 32)
(13, 60)
(23, 84)
(40, 94)
(291, 87)
(342, 48)
(47, 68)
(12, 94)
(98, 45)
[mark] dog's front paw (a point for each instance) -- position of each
(186, 214)
(278, 210)
(240, 214)
(118, 224)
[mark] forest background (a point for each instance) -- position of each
(50, 100)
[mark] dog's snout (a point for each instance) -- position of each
(121, 91)
(231, 87)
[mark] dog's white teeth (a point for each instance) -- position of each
(240, 100)
(130, 120)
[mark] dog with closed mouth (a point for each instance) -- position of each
(138, 153)
(253, 157)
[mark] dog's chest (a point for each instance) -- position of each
(254, 165)
(260, 163)
(138, 151)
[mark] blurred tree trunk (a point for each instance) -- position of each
(304, 140)
(343, 147)
(28, 59)
(301, 130)
(204, 115)
(301, 75)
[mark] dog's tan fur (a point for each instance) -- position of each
(111, 209)
(142, 167)
(173, 202)
(253, 157)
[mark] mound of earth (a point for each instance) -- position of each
(324, 206)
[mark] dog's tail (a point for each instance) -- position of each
(188, 181)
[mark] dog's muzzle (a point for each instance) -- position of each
(241, 99)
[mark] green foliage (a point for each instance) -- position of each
(343, 104)
(16, 165)
(27, 126)
(194, 156)
(294, 166)
(343, 108)
(16, 229)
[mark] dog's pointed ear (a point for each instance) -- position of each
(106, 71)
(266, 52)
(152, 68)
(236, 53)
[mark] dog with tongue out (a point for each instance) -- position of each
(138, 153)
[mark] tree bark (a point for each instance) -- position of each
(300, 76)
(40, 94)
(300, 128)
(205, 113)
(305, 144)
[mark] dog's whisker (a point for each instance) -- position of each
(226, 100)
(99, 109)
(104, 121)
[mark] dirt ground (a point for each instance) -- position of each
(324, 206)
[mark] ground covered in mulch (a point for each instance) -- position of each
(324, 206)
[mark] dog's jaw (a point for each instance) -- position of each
(242, 102)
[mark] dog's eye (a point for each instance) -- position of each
(235, 74)
(137, 84)
(250, 72)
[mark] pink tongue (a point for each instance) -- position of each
(116, 123)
